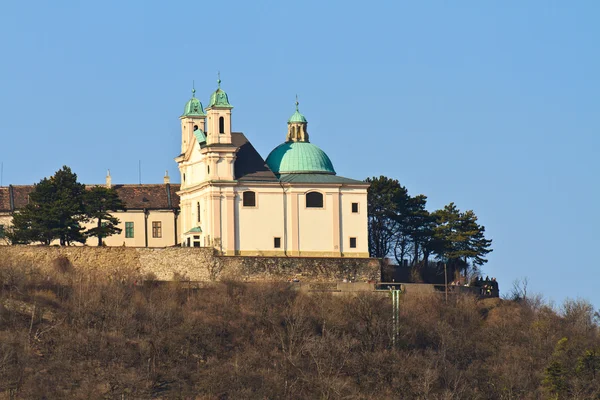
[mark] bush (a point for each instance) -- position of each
(98, 336)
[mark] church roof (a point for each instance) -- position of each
(319, 178)
(219, 98)
(200, 136)
(193, 108)
(297, 117)
(299, 157)
(249, 165)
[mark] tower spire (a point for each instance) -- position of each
(297, 126)
(219, 79)
(193, 89)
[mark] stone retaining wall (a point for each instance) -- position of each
(196, 264)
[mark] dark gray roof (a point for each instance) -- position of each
(319, 178)
(249, 165)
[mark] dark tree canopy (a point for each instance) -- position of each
(54, 211)
(99, 201)
(460, 238)
(386, 199)
(400, 226)
(57, 205)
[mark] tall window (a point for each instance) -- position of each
(249, 199)
(198, 211)
(156, 229)
(314, 200)
(129, 229)
(2, 232)
(221, 125)
(355, 208)
(352, 243)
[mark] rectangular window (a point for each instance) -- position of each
(129, 229)
(249, 199)
(355, 208)
(352, 243)
(156, 229)
(198, 211)
(277, 243)
(2, 232)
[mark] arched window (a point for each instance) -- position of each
(249, 199)
(314, 200)
(208, 169)
(221, 125)
(195, 128)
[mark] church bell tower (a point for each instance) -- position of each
(193, 122)
(219, 118)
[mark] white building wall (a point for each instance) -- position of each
(354, 224)
(258, 226)
(315, 226)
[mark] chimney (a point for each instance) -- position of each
(167, 180)
(108, 180)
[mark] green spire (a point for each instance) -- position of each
(219, 97)
(193, 108)
(297, 117)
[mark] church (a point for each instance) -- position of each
(232, 199)
(291, 204)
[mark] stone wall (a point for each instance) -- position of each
(195, 264)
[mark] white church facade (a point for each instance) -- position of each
(291, 204)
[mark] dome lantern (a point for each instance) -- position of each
(297, 123)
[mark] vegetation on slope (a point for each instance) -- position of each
(70, 335)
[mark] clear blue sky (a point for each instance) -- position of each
(493, 105)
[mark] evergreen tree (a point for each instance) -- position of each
(386, 199)
(98, 202)
(458, 238)
(54, 211)
(416, 223)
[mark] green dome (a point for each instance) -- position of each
(297, 117)
(193, 108)
(299, 157)
(219, 98)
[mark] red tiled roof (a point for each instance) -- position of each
(151, 196)
(4, 199)
(145, 196)
(21, 195)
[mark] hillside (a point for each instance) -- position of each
(70, 335)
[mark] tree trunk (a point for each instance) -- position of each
(416, 258)
(99, 232)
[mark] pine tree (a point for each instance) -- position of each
(54, 211)
(98, 202)
(386, 199)
(458, 238)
